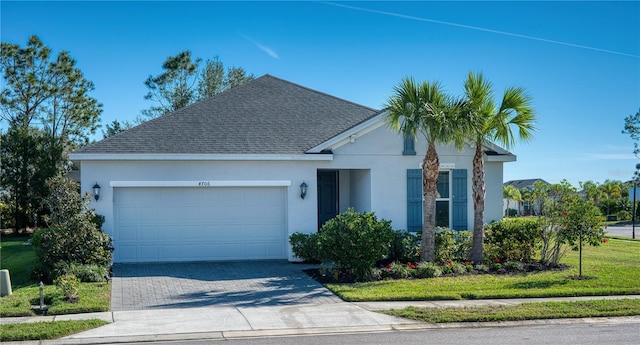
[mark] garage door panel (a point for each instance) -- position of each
(126, 233)
(190, 224)
(127, 253)
(125, 214)
(148, 252)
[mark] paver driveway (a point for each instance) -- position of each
(202, 284)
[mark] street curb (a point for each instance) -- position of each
(229, 335)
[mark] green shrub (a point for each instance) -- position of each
(405, 247)
(72, 236)
(86, 273)
(69, 284)
(98, 220)
(512, 239)
(355, 242)
(400, 271)
(451, 245)
(482, 268)
(514, 265)
(305, 246)
(428, 270)
(458, 268)
(624, 215)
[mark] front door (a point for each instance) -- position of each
(327, 195)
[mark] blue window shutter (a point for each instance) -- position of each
(409, 146)
(414, 199)
(459, 196)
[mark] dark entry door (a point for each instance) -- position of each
(327, 196)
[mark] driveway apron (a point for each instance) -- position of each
(214, 284)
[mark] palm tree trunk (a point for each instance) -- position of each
(430, 169)
(478, 205)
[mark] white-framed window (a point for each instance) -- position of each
(443, 201)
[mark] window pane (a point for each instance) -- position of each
(443, 184)
(442, 213)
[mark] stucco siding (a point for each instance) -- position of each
(372, 177)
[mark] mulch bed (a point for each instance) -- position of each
(341, 277)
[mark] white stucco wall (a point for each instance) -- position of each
(493, 209)
(372, 178)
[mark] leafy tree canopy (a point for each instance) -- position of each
(46, 103)
(632, 127)
(47, 93)
(182, 83)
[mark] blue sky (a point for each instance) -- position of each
(580, 61)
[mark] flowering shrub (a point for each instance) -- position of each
(567, 219)
(68, 283)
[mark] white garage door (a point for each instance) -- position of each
(192, 224)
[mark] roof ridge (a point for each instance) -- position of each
(282, 108)
(320, 92)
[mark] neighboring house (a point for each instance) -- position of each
(525, 207)
(221, 179)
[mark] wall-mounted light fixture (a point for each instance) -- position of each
(96, 191)
(303, 190)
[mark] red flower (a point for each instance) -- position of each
(605, 240)
(565, 213)
(449, 264)
(388, 267)
(412, 266)
(497, 260)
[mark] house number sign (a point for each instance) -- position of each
(204, 184)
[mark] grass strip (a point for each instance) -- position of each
(94, 297)
(46, 329)
(613, 269)
(525, 311)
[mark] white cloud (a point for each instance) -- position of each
(264, 48)
(478, 28)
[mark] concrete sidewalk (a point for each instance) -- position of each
(242, 322)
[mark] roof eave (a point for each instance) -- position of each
(351, 134)
(196, 157)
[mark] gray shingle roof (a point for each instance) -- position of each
(524, 183)
(267, 115)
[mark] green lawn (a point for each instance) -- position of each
(526, 311)
(46, 330)
(20, 260)
(614, 268)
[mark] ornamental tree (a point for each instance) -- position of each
(568, 221)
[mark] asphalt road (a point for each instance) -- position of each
(567, 334)
(625, 231)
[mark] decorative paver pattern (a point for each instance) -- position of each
(208, 284)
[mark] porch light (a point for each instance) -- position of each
(96, 191)
(303, 190)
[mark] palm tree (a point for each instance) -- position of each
(496, 123)
(526, 195)
(511, 193)
(424, 108)
(611, 190)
